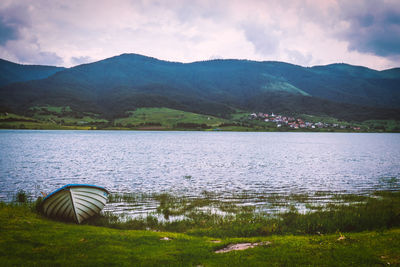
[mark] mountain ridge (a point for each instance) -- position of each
(11, 72)
(218, 87)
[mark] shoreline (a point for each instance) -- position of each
(78, 128)
(30, 239)
(210, 214)
(165, 119)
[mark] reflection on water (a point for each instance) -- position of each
(189, 163)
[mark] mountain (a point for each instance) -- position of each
(216, 87)
(11, 72)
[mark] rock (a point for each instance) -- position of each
(241, 246)
(342, 237)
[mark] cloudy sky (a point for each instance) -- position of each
(314, 32)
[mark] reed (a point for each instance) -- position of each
(207, 216)
(29, 239)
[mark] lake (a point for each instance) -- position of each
(189, 163)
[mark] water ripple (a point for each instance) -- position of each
(222, 162)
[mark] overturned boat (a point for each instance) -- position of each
(75, 202)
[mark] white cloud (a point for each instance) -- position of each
(300, 32)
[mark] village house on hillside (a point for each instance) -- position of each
(294, 123)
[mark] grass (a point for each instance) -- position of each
(28, 239)
(15, 117)
(21, 197)
(165, 117)
(54, 109)
(326, 119)
(370, 125)
(39, 126)
(46, 118)
(240, 115)
(64, 118)
(210, 215)
(384, 125)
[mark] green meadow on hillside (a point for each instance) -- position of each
(166, 117)
(63, 117)
(13, 121)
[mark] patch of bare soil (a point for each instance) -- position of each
(242, 246)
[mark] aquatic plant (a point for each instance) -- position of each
(218, 218)
(21, 197)
(212, 215)
(30, 240)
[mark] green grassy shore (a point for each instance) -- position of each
(371, 238)
(165, 119)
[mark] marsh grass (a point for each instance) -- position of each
(212, 215)
(350, 198)
(21, 197)
(124, 197)
(29, 239)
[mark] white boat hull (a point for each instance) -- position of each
(75, 202)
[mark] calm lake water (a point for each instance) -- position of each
(188, 163)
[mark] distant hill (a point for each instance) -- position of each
(216, 87)
(11, 72)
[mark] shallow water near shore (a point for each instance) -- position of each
(231, 165)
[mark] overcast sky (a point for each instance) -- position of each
(307, 33)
